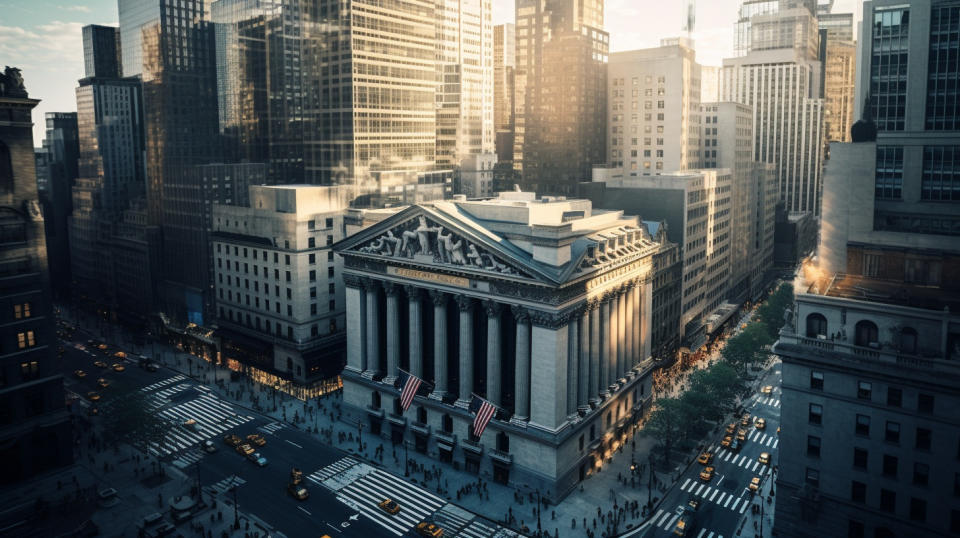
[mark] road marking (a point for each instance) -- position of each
(292, 443)
(726, 456)
(305, 510)
(775, 443)
(720, 498)
(735, 503)
(730, 498)
(673, 520)
(754, 468)
(663, 518)
(744, 508)
(332, 527)
(684, 486)
(714, 494)
(702, 532)
(706, 491)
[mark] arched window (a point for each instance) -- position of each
(816, 325)
(6, 170)
(866, 333)
(908, 340)
(375, 400)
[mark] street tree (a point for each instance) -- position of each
(129, 418)
(771, 311)
(748, 347)
(665, 424)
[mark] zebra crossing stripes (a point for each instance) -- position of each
(337, 467)
(225, 485)
(665, 520)
(477, 529)
(272, 427)
(459, 522)
(415, 503)
(769, 400)
(712, 494)
(163, 383)
(213, 417)
(704, 533)
(188, 458)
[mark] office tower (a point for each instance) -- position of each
(280, 300)
(240, 32)
(35, 431)
(695, 206)
(839, 67)
(779, 78)
(490, 297)
(653, 118)
(728, 144)
(101, 51)
(504, 67)
(560, 93)
(62, 149)
(476, 175)
(464, 80)
(869, 358)
(168, 44)
(375, 114)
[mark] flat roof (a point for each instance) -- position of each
(887, 292)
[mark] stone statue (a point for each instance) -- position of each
(11, 82)
(391, 244)
(408, 244)
(423, 235)
(474, 256)
(450, 249)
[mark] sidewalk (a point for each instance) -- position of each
(757, 519)
(605, 504)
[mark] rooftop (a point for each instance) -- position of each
(890, 292)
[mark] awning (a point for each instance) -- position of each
(244, 340)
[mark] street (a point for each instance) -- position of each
(343, 491)
(725, 499)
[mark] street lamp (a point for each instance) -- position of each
(359, 436)
(539, 530)
(650, 481)
(276, 389)
(406, 460)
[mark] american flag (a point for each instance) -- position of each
(409, 384)
(484, 411)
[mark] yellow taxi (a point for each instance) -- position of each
(732, 427)
(245, 449)
(727, 439)
(760, 423)
(767, 389)
(256, 439)
(742, 435)
(706, 474)
(80, 373)
(103, 383)
(100, 364)
(764, 458)
(389, 506)
(705, 458)
(429, 530)
(232, 440)
(745, 421)
(754, 484)
(117, 367)
(93, 396)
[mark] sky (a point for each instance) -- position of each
(42, 37)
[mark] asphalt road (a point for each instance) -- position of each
(725, 499)
(344, 491)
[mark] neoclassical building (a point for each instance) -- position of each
(542, 306)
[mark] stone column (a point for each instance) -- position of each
(521, 391)
(373, 330)
(593, 385)
(622, 347)
(583, 365)
(466, 350)
(628, 356)
(439, 344)
(613, 330)
(638, 315)
(393, 331)
(646, 322)
(573, 360)
(604, 345)
(354, 297)
(493, 351)
(416, 332)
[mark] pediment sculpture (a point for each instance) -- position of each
(421, 237)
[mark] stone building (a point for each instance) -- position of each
(541, 306)
(35, 431)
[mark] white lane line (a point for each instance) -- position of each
(672, 521)
(304, 510)
(714, 494)
(744, 508)
(755, 464)
(706, 491)
(700, 489)
(684, 486)
(292, 443)
(662, 518)
(720, 498)
(702, 532)
(775, 443)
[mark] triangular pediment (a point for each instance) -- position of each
(421, 236)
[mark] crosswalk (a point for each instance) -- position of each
(272, 427)
(340, 466)
(368, 486)
(188, 458)
(224, 485)
(768, 400)
(163, 383)
(213, 418)
(451, 518)
(666, 520)
(715, 495)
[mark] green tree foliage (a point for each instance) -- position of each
(771, 311)
(748, 347)
(666, 423)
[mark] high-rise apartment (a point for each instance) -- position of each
(465, 82)
(279, 292)
(561, 92)
(168, 44)
(504, 66)
(35, 431)
(839, 68)
(101, 51)
(653, 103)
(870, 357)
(778, 77)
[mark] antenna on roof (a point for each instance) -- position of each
(690, 17)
